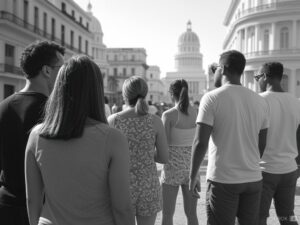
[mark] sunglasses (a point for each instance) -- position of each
(258, 76)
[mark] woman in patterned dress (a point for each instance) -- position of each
(147, 145)
(179, 123)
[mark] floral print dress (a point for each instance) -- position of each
(144, 182)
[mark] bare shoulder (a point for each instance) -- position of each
(170, 113)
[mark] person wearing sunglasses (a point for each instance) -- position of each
(278, 164)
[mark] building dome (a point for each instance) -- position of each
(95, 24)
(189, 38)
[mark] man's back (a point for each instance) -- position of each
(237, 115)
(18, 114)
(281, 149)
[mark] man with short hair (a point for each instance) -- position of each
(40, 63)
(278, 161)
(236, 119)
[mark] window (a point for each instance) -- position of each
(133, 57)
(53, 29)
(36, 17)
(87, 47)
(115, 71)
(116, 57)
(124, 72)
(9, 58)
(8, 90)
(79, 43)
(132, 71)
(80, 20)
(73, 14)
(72, 39)
(63, 7)
(45, 23)
(87, 25)
(62, 35)
(151, 75)
(15, 7)
(25, 11)
(266, 40)
(284, 38)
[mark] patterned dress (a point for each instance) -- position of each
(144, 182)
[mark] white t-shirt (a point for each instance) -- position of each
(236, 114)
(281, 149)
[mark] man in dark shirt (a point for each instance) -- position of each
(40, 63)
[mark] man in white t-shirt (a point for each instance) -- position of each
(236, 119)
(278, 162)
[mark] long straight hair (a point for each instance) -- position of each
(77, 94)
(179, 90)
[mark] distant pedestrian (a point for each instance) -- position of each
(40, 62)
(107, 108)
(114, 108)
(147, 145)
(75, 163)
(152, 108)
(236, 119)
(180, 126)
(278, 161)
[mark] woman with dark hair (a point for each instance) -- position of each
(74, 161)
(147, 144)
(180, 126)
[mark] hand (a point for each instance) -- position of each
(195, 187)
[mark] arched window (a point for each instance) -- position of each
(266, 40)
(284, 38)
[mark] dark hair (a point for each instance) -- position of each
(234, 61)
(135, 90)
(273, 70)
(106, 100)
(179, 90)
(38, 54)
(77, 95)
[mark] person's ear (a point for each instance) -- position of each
(46, 70)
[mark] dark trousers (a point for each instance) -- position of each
(10, 215)
(225, 202)
(281, 188)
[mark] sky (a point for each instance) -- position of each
(157, 24)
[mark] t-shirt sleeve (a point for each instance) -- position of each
(206, 111)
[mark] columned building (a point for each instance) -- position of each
(155, 85)
(61, 21)
(123, 63)
(266, 30)
(188, 65)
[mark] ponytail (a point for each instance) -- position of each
(183, 101)
(141, 106)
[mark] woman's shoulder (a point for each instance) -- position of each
(170, 113)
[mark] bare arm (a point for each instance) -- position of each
(262, 141)
(162, 149)
(119, 180)
(33, 181)
(167, 125)
(199, 148)
(298, 146)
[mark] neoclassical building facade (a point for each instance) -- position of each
(62, 21)
(188, 65)
(266, 30)
(155, 85)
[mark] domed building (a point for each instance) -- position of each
(188, 64)
(97, 46)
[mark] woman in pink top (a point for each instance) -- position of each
(75, 164)
(180, 126)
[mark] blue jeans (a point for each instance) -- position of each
(281, 188)
(225, 202)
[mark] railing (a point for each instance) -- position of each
(10, 69)
(22, 23)
(273, 53)
(268, 7)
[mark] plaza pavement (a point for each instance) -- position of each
(179, 216)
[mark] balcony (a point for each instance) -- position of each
(6, 68)
(269, 7)
(271, 53)
(23, 24)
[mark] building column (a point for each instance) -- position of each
(292, 82)
(246, 40)
(294, 37)
(272, 36)
(256, 38)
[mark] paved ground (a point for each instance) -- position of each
(179, 217)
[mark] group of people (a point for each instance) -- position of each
(65, 160)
